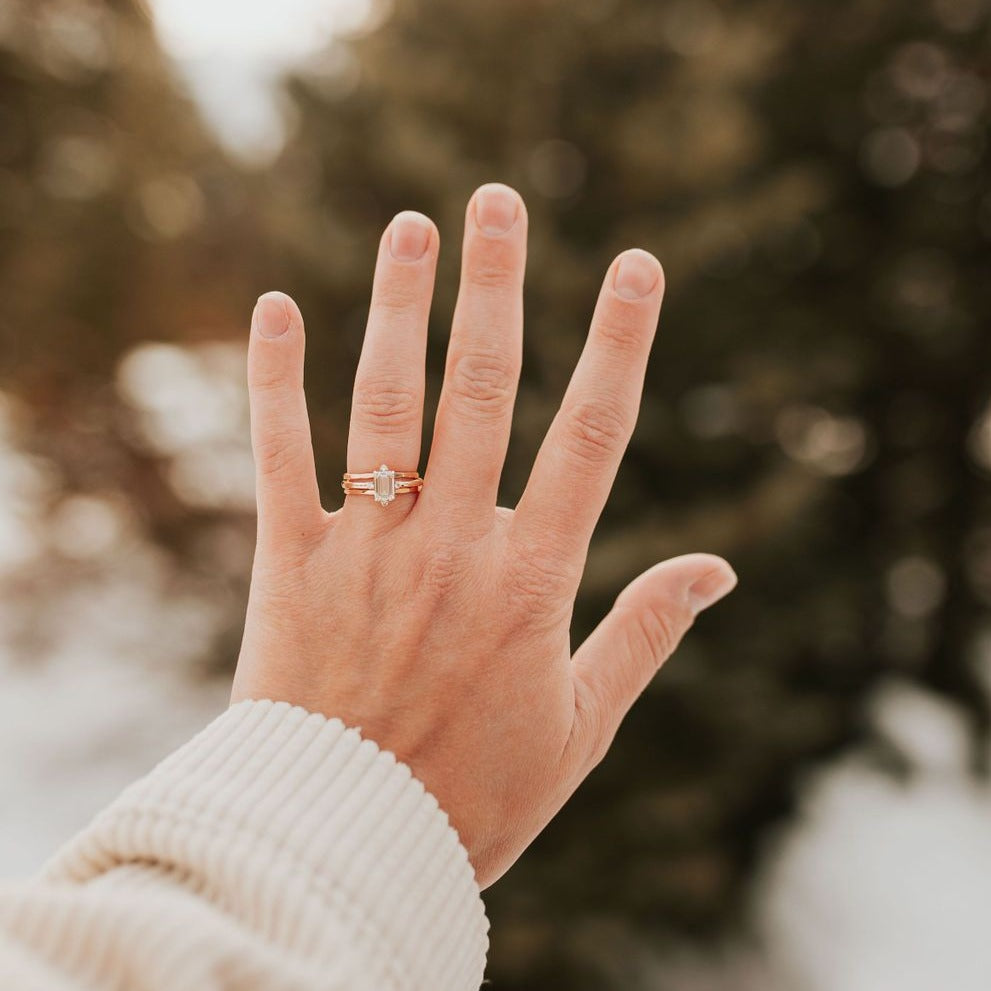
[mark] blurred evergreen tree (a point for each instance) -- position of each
(815, 179)
(120, 222)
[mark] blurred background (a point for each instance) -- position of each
(800, 802)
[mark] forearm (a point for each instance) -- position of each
(275, 850)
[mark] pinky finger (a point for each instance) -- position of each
(285, 475)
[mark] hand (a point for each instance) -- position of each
(439, 624)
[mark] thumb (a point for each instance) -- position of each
(639, 634)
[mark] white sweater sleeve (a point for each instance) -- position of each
(276, 850)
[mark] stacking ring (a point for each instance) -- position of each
(383, 484)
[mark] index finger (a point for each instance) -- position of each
(578, 460)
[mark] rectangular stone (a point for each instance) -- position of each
(385, 484)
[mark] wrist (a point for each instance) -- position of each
(298, 808)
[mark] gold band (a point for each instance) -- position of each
(367, 476)
(383, 484)
(368, 488)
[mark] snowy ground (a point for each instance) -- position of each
(114, 688)
(882, 883)
(75, 730)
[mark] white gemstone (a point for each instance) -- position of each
(384, 481)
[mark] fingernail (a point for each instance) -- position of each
(711, 587)
(496, 209)
(410, 236)
(270, 319)
(636, 274)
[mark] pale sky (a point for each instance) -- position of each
(232, 52)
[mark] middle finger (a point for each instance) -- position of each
(475, 412)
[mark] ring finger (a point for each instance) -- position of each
(387, 406)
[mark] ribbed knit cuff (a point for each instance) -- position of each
(278, 810)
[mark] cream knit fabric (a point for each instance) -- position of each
(275, 850)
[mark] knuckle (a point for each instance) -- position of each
(441, 570)
(621, 331)
(266, 381)
(593, 735)
(653, 634)
(597, 430)
(494, 265)
(493, 275)
(534, 583)
(400, 293)
(285, 574)
(276, 451)
(484, 382)
(600, 747)
(387, 407)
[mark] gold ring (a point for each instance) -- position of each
(383, 484)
